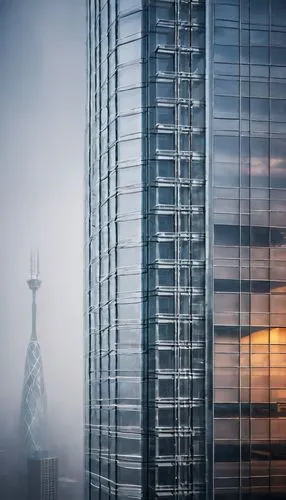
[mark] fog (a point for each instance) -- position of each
(42, 100)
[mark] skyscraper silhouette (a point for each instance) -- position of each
(33, 410)
(42, 468)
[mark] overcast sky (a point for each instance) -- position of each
(42, 99)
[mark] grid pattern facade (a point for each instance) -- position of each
(186, 205)
(145, 251)
(114, 253)
(43, 478)
(249, 127)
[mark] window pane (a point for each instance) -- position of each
(166, 115)
(166, 277)
(165, 36)
(165, 10)
(226, 87)
(225, 54)
(166, 223)
(227, 12)
(227, 107)
(166, 195)
(166, 304)
(226, 36)
(130, 25)
(166, 89)
(166, 250)
(166, 141)
(226, 149)
(165, 62)
(166, 168)
(129, 52)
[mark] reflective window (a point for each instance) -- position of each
(124, 5)
(258, 37)
(128, 100)
(165, 10)
(259, 55)
(185, 89)
(278, 110)
(129, 76)
(259, 12)
(226, 36)
(166, 115)
(185, 116)
(166, 195)
(166, 168)
(227, 107)
(166, 223)
(165, 62)
(226, 87)
(166, 304)
(185, 37)
(184, 62)
(197, 38)
(166, 250)
(259, 109)
(129, 52)
(226, 54)
(278, 90)
(278, 13)
(278, 56)
(226, 149)
(129, 25)
(166, 89)
(198, 90)
(227, 12)
(197, 14)
(198, 64)
(185, 142)
(130, 124)
(184, 168)
(166, 359)
(259, 89)
(165, 36)
(278, 39)
(166, 141)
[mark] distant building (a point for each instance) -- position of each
(42, 467)
(33, 410)
(42, 477)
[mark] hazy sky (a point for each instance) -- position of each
(42, 99)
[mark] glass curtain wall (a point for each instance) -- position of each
(174, 255)
(249, 151)
(114, 251)
(145, 251)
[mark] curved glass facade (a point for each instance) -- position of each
(145, 251)
(185, 250)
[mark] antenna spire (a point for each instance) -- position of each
(34, 284)
(31, 263)
(38, 264)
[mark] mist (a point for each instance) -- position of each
(42, 105)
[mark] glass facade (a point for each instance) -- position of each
(249, 204)
(185, 324)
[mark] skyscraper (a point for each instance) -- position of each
(185, 250)
(42, 468)
(33, 410)
(42, 477)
